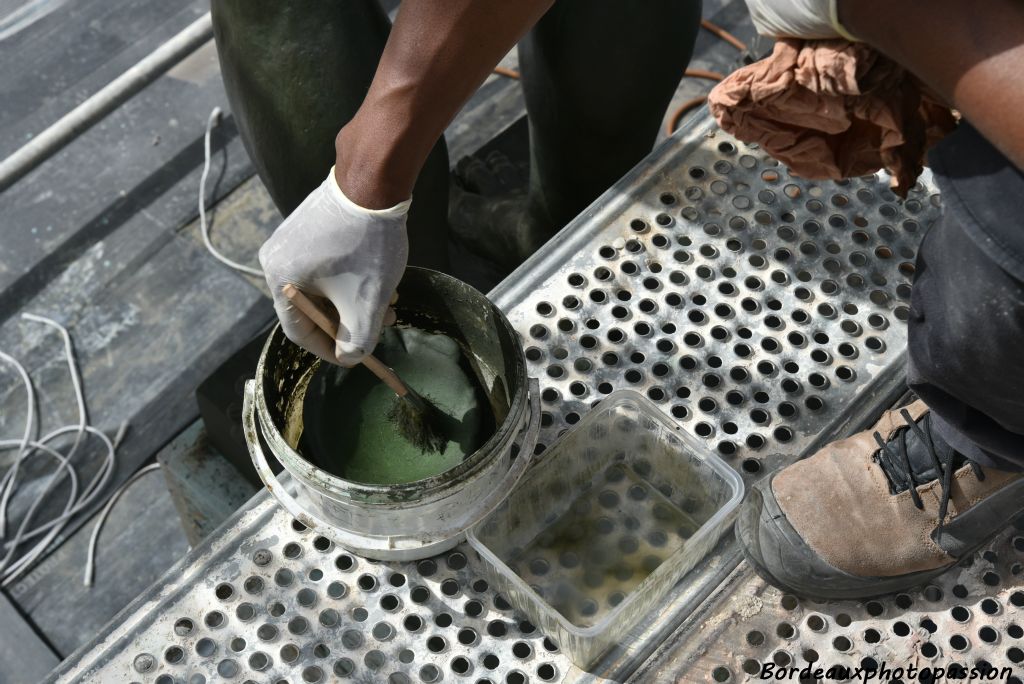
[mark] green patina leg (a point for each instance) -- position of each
(346, 430)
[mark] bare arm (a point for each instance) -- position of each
(438, 53)
(971, 54)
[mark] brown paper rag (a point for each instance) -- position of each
(831, 109)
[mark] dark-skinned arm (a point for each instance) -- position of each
(971, 54)
(437, 55)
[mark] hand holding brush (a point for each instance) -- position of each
(415, 418)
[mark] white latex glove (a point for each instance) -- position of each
(354, 257)
(797, 19)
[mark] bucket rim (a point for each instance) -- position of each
(422, 490)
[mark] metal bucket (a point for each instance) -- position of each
(416, 519)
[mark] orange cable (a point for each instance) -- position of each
(703, 73)
(682, 110)
(724, 35)
(673, 122)
(506, 72)
(677, 115)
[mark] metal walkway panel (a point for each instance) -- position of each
(968, 618)
(763, 312)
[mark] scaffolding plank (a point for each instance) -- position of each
(204, 486)
(135, 548)
(24, 657)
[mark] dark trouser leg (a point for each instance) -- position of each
(295, 73)
(598, 76)
(966, 347)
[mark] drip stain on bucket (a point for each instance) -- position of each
(346, 430)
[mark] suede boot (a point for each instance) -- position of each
(879, 512)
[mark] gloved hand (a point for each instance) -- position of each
(353, 257)
(797, 19)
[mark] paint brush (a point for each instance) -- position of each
(415, 418)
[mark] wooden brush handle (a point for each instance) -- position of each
(388, 376)
(312, 311)
(316, 314)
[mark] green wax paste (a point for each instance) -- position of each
(346, 430)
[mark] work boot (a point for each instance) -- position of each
(879, 512)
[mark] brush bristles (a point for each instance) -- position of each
(419, 422)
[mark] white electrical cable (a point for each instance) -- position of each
(57, 524)
(7, 485)
(26, 446)
(41, 446)
(83, 414)
(13, 545)
(31, 428)
(69, 352)
(100, 480)
(26, 560)
(83, 418)
(64, 464)
(213, 120)
(90, 559)
(76, 378)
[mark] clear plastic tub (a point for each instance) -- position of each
(598, 533)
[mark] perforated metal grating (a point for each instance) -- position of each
(295, 608)
(763, 312)
(753, 307)
(968, 618)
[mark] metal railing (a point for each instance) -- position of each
(84, 116)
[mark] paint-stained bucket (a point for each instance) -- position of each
(417, 519)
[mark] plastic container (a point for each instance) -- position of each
(417, 519)
(600, 530)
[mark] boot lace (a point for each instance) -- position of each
(896, 452)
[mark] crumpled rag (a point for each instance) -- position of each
(831, 109)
